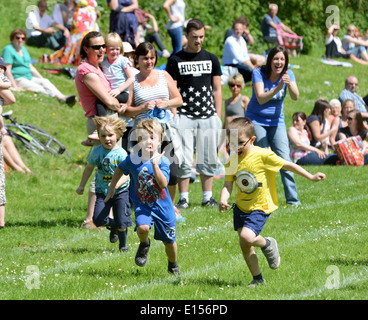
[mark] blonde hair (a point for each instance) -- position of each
(150, 125)
(235, 79)
(114, 39)
(118, 125)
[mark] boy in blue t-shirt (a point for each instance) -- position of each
(150, 173)
(106, 157)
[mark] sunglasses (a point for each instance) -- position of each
(350, 119)
(98, 46)
(20, 38)
(235, 85)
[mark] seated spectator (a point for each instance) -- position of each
(270, 23)
(23, 75)
(350, 92)
(147, 32)
(355, 46)
(6, 96)
(356, 128)
(317, 122)
(335, 105)
(246, 34)
(334, 47)
(236, 53)
(41, 29)
(342, 121)
(301, 152)
(62, 13)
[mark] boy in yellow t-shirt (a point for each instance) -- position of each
(253, 170)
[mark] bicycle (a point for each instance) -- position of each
(33, 138)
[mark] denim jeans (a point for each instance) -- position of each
(176, 39)
(277, 139)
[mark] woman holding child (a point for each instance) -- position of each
(91, 85)
(270, 85)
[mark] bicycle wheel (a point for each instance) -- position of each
(20, 131)
(50, 143)
(20, 141)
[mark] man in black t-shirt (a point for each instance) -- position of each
(198, 76)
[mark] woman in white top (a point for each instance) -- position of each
(175, 10)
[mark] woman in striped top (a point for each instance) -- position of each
(152, 88)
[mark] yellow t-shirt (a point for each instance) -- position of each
(263, 164)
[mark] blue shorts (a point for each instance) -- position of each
(164, 230)
(121, 209)
(254, 220)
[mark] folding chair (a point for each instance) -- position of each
(282, 36)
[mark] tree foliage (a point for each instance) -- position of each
(305, 17)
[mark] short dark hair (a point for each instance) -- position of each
(195, 24)
(143, 49)
(86, 42)
(270, 56)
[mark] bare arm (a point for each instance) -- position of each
(34, 71)
(88, 170)
(217, 94)
(316, 131)
(132, 7)
(293, 167)
(225, 195)
(294, 139)
(114, 181)
(94, 84)
(159, 176)
(167, 5)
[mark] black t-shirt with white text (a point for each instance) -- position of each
(193, 73)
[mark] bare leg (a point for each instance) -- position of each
(248, 240)
(171, 250)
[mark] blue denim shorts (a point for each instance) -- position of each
(254, 220)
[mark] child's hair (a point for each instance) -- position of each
(150, 125)
(118, 125)
(113, 39)
(244, 126)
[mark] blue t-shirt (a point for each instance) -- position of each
(106, 162)
(145, 193)
(115, 72)
(269, 114)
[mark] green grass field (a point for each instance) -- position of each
(44, 254)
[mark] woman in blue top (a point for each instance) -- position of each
(270, 85)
